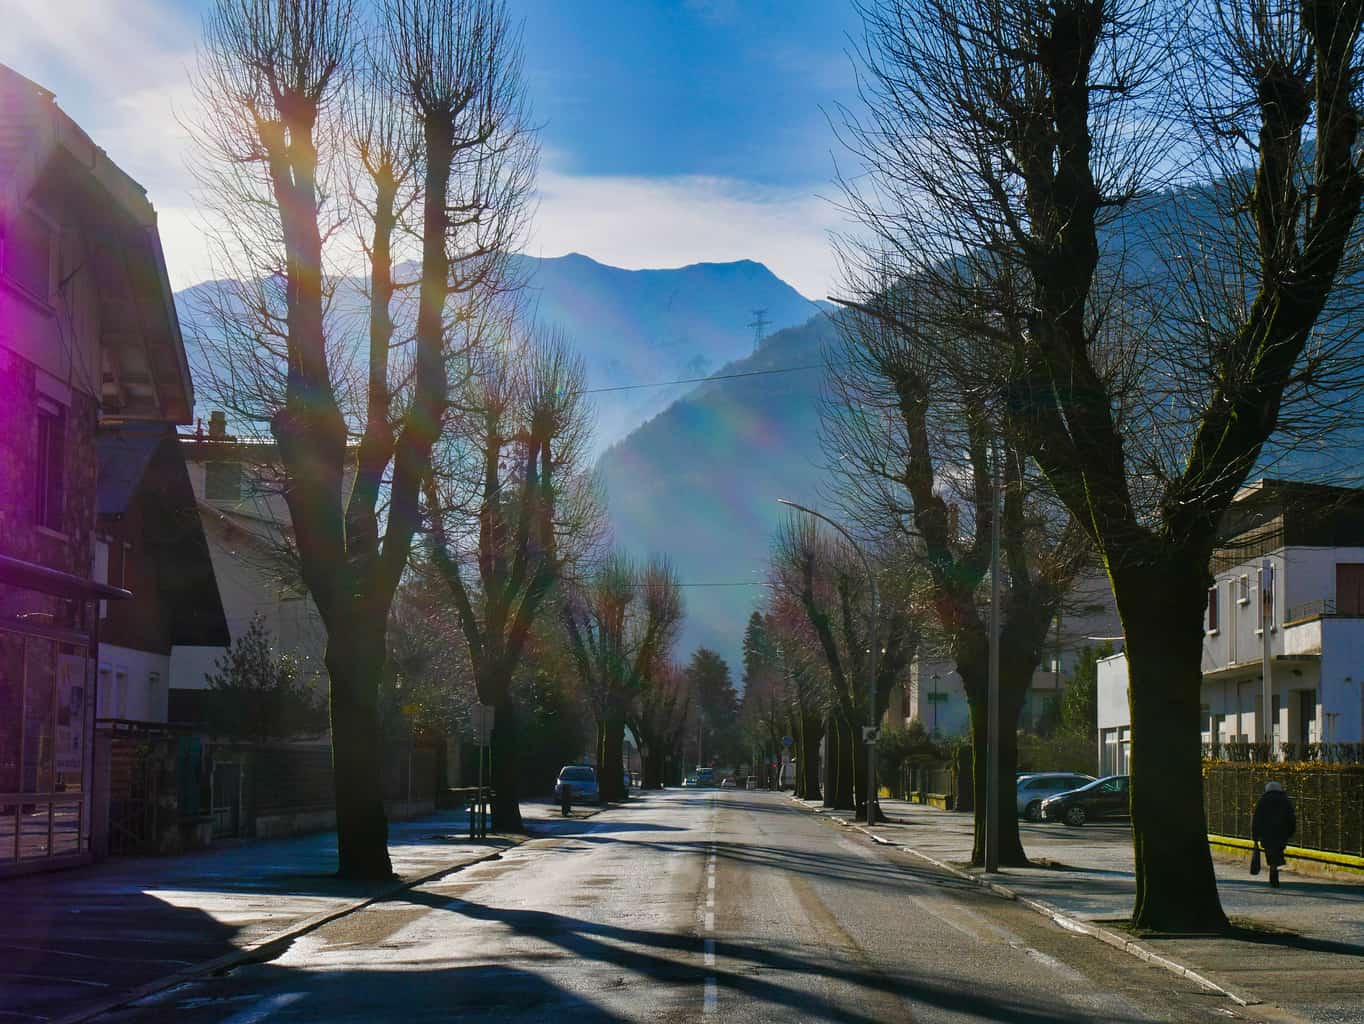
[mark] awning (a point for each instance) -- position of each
(15, 572)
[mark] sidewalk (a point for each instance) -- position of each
(1300, 947)
(74, 941)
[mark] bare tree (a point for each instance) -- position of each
(621, 624)
(1150, 350)
(658, 721)
(910, 440)
(290, 100)
(829, 584)
(511, 506)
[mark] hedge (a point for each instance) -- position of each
(1328, 799)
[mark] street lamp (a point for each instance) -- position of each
(870, 731)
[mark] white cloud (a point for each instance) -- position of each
(121, 70)
(669, 222)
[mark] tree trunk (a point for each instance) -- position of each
(841, 763)
(355, 662)
(610, 758)
(1011, 853)
(652, 757)
(506, 772)
(1162, 611)
(830, 760)
(811, 732)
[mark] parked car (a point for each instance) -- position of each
(752, 783)
(1103, 798)
(581, 779)
(1037, 786)
(705, 776)
(691, 780)
(728, 782)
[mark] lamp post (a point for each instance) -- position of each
(870, 731)
(935, 703)
(992, 727)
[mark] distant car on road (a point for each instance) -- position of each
(1103, 798)
(705, 776)
(728, 782)
(1036, 787)
(752, 783)
(691, 781)
(581, 779)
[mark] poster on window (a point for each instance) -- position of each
(71, 670)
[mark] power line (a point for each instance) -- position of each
(702, 380)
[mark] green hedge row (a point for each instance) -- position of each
(1328, 798)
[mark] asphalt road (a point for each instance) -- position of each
(685, 905)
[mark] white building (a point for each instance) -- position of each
(1294, 556)
(246, 522)
(934, 693)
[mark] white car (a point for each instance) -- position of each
(1034, 788)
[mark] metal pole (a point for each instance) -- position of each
(1266, 714)
(871, 661)
(476, 810)
(992, 709)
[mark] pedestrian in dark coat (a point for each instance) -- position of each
(1273, 825)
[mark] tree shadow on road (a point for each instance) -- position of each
(674, 957)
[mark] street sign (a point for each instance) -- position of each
(870, 733)
(482, 717)
(786, 741)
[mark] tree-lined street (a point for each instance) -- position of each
(733, 905)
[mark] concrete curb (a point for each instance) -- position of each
(1061, 918)
(273, 944)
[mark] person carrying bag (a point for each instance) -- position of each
(1273, 825)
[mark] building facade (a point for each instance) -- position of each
(1291, 567)
(88, 338)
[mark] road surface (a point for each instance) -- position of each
(687, 905)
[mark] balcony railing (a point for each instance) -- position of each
(1312, 609)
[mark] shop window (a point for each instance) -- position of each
(50, 484)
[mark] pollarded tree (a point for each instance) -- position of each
(621, 622)
(828, 582)
(658, 720)
(510, 506)
(276, 132)
(1154, 352)
(911, 443)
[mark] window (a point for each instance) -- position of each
(1212, 609)
(223, 481)
(49, 486)
(26, 252)
(1243, 590)
(1267, 596)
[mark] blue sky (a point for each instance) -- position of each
(673, 131)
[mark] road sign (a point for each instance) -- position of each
(786, 741)
(482, 716)
(870, 733)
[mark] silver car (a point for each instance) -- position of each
(1034, 788)
(581, 781)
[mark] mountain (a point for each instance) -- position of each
(632, 327)
(645, 326)
(699, 481)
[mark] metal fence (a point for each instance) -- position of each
(1328, 799)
